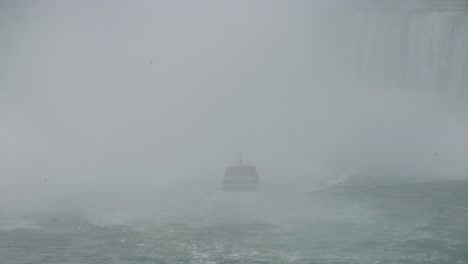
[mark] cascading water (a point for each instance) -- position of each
(407, 48)
(413, 50)
(402, 64)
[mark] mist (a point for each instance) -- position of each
(249, 131)
(106, 101)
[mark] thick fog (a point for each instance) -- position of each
(101, 100)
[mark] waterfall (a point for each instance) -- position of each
(421, 50)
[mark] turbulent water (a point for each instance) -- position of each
(402, 223)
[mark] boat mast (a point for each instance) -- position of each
(240, 158)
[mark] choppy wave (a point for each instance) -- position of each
(402, 223)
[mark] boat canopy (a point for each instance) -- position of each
(241, 171)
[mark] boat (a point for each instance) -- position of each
(240, 177)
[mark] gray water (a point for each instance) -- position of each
(402, 223)
(117, 119)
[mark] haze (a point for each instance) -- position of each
(101, 100)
